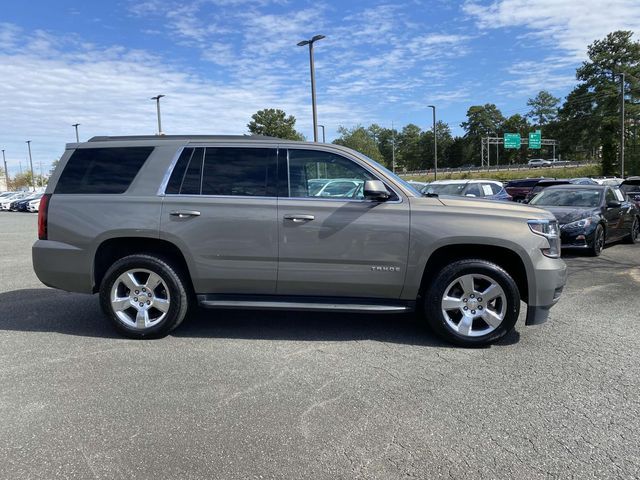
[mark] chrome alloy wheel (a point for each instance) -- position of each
(474, 305)
(140, 298)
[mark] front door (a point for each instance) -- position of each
(333, 242)
(220, 209)
(613, 215)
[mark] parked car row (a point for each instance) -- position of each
(20, 201)
(590, 212)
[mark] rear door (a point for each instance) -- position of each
(220, 208)
(339, 245)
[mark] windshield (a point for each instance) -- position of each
(568, 198)
(392, 175)
(445, 188)
(630, 188)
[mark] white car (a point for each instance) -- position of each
(5, 202)
(33, 205)
(487, 189)
(539, 162)
(608, 181)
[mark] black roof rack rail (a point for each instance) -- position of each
(105, 138)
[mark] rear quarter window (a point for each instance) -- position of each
(102, 170)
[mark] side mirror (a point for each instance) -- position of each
(375, 190)
(614, 204)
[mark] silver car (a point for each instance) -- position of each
(159, 224)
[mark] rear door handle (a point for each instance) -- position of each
(185, 213)
(297, 218)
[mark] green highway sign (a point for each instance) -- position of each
(511, 140)
(535, 139)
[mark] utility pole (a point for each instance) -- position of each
(75, 125)
(157, 99)
(33, 179)
(435, 144)
(313, 81)
(6, 172)
(622, 125)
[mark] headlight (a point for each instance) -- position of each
(584, 223)
(549, 230)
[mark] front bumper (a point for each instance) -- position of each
(550, 279)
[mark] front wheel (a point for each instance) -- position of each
(144, 296)
(597, 244)
(472, 303)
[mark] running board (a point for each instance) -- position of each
(300, 303)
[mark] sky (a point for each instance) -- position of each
(97, 63)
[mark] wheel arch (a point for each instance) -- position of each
(112, 249)
(506, 258)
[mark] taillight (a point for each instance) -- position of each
(43, 213)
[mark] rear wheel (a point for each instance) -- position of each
(634, 232)
(597, 244)
(472, 303)
(144, 296)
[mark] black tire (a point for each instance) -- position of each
(435, 316)
(634, 232)
(597, 244)
(176, 290)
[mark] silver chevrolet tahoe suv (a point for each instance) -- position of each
(158, 225)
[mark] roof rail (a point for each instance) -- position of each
(105, 138)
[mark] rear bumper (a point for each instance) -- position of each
(63, 266)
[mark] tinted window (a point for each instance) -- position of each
(178, 171)
(247, 172)
(473, 189)
(323, 174)
(610, 196)
(102, 170)
(192, 181)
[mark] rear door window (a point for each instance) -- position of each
(102, 170)
(240, 172)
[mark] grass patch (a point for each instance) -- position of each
(504, 175)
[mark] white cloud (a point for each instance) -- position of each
(107, 91)
(569, 25)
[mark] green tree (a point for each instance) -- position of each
(444, 138)
(615, 54)
(544, 108)
(54, 164)
(482, 121)
(410, 150)
(274, 122)
(359, 139)
(23, 180)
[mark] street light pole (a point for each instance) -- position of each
(75, 125)
(313, 81)
(393, 149)
(435, 144)
(6, 172)
(33, 179)
(157, 99)
(622, 125)
(322, 127)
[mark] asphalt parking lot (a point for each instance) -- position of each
(298, 395)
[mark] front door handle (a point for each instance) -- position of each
(184, 213)
(297, 218)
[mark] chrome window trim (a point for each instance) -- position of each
(174, 161)
(167, 175)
